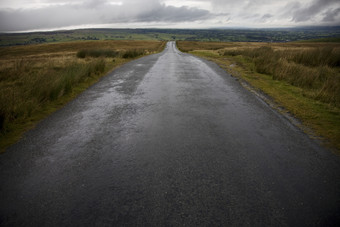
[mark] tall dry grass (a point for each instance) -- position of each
(33, 76)
(27, 85)
(315, 68)
(74, 47)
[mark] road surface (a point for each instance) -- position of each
(168, 140)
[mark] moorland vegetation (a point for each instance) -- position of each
(35, 80)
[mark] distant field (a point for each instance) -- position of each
(222, 35)
(37, 79)
(302, 77)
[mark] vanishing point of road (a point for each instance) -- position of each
(168, 140)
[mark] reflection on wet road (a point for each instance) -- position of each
(168, 140)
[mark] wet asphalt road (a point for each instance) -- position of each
(168, 140)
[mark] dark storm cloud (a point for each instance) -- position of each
(96, 12)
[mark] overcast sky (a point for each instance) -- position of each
(28, 15)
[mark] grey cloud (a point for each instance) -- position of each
(330, 15)
(267, 16)
(240, 3)
(54, 14)
(305, 13)
(173, 14)
(96, 12)
(94, 3)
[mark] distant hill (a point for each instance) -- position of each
(223, 35)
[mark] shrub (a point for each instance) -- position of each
(231, 53)
(95, 53)
(81, 53)
(132, 53)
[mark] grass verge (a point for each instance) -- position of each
(35, 83)
(308, 85)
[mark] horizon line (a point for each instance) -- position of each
(158, 28)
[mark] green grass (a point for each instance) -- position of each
(302, 78)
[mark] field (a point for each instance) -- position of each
(302, 77)
(35, 80)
